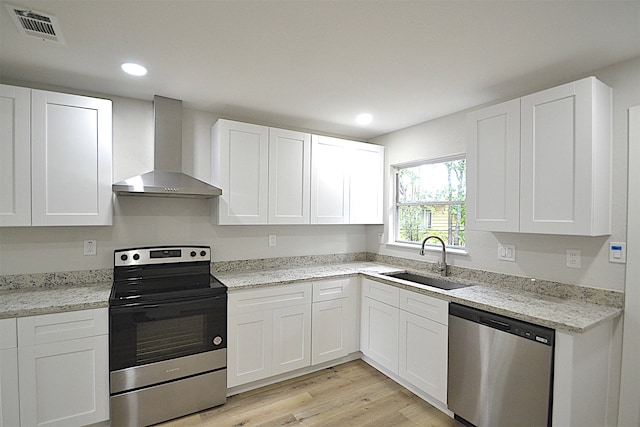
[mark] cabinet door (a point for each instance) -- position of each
(289, 176)
(249, 353)
(366, 183)
(332, 332)
(379, 333)
(9, 400)
(15, 156)
(566, 155)
(240, 167)
(65, 383)
(70, 160)
(493, 168)
(329, 181)
(291, 338)
(423, 354)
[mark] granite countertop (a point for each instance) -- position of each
(563, 313)
(567, 314)
(33, 301)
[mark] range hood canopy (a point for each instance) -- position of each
(167, 179)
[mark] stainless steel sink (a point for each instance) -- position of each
(428, 281)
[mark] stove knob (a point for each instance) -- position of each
(193, 253)
(136, 257)
(203, 253)
(217, 340)
(124, 257)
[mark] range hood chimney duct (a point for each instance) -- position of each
(167, 179)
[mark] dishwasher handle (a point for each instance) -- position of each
(496, 324)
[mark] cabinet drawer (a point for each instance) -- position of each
(425, 306)
(332, 289)
(269, 298)
(381, 292)
(48, 328)
(8, 334)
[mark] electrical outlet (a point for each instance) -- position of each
(574, 258)
(272, 239)
(380, 238)
(506, 252)
(90, 247)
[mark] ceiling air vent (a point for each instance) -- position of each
(36, 24)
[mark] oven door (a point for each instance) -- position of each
(142, 333)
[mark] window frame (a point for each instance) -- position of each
(396, 204)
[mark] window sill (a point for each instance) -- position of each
(416, 247)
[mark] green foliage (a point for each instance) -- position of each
(430, 201)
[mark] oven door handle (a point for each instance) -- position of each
(218, 301)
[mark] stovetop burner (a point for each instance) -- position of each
(163, 273)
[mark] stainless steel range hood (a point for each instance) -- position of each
(167, 179)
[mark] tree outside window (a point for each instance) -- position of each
(430, 200)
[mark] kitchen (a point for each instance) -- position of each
(29, 250)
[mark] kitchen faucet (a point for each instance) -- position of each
(442, 264)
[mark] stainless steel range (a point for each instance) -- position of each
(168, 335)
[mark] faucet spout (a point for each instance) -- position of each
(442, 264)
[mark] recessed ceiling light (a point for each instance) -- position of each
(364, 118)
(133, 69)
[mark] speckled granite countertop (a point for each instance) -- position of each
(559, 313)
(33, 301)
(566, 313)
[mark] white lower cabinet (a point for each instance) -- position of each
(269, 332)
(406, 333)
(63, 368)
(291, 338)
(9, 400)
(334, 331)
(423, 354)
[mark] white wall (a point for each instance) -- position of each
(149, 221)
(539, 256)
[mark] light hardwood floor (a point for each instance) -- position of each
(352, 394)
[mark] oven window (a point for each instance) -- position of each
(175, 337)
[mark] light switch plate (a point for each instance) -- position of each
(272, 239)
(574, 258)
(618, 252)
(506, 252)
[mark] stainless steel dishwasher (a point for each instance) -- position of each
(500, 369)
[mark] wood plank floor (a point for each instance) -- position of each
(352, 394)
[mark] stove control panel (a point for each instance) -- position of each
(161, 255)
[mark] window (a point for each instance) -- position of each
(430, 200)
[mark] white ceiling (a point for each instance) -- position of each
(316, 64)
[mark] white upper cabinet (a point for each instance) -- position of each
(289, 176)
(542, 163)
(346, 181)
(15, 156)
(278, 176)
(240, 167)
(329, 181)
(366, 183)
(566, 160)
(67, 176)
(493, 168)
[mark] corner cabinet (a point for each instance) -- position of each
(63, 368)
(346, 181)
(542, 163)
(406, 334)
(279, 176)
(56, 157)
